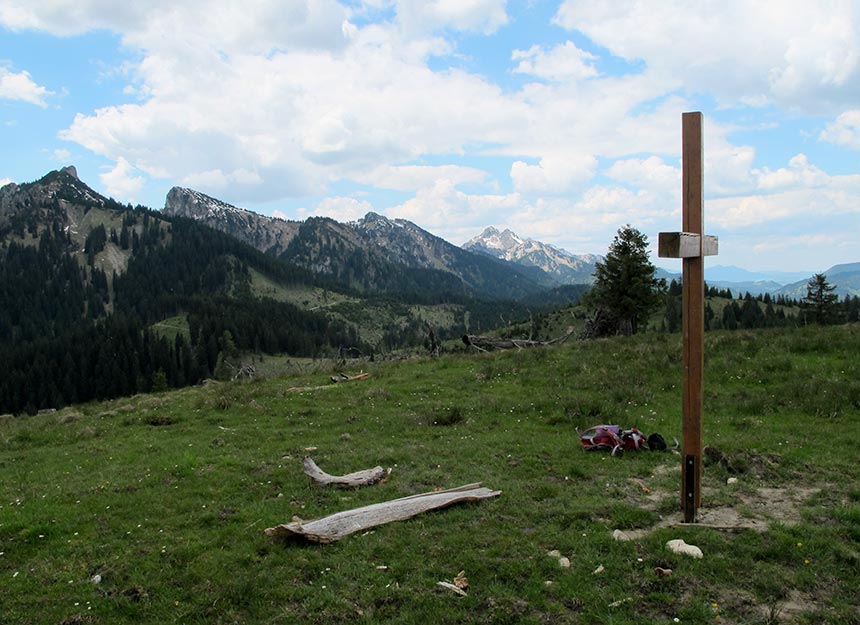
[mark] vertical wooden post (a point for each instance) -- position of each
(693, 317)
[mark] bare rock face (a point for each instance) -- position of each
(48, 198)
(566, 267)
(373, 253)
(267, 234)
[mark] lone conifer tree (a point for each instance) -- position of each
(625, 290)
(821, 303)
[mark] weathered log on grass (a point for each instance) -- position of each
(336, 379)
(490, 343)
(350, 480)
(336, 526)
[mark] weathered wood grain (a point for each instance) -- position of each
(336, 526)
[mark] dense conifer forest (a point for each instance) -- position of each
(70, 333)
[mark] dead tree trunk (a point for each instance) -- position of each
(489, 343)
(350, 480)
(435, 344)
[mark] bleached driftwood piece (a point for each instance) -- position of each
(336, 526)
(350, 480)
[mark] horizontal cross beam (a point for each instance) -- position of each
(686, 245)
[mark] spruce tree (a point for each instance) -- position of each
(625, 290)
(820, 303)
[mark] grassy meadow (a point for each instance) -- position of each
(151, 509)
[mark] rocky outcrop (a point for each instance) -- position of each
(566, 267)
(268, 234)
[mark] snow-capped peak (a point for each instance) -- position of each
(509, 246)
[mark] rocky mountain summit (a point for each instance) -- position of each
(267, 234)
(374, 253)
(49, 197)
(567, 268)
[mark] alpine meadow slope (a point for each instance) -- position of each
(151, 509)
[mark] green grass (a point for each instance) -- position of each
(166, 496)
(172, 326)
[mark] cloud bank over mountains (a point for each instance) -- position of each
(455, 115)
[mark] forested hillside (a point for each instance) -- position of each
(87, 283)
(71, 331)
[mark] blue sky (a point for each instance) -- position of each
(559, 120)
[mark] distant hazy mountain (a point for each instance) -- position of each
(373, 254)
(567, 268)
(845, 277)
(729, 273)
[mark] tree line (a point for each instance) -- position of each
(626, 295)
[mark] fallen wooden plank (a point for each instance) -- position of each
(336, 526)
(350, 480)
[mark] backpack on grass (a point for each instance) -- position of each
(613, 439)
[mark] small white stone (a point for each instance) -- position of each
(564, 562)
(96, 579)
(555, 553)
(621, 536)
(679, 546)
(599, 570)
(732, 480)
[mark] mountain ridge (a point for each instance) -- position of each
(371, 254)
(566, 267)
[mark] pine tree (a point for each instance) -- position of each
(820, 303)
(625, 290)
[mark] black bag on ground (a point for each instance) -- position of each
(656, 442)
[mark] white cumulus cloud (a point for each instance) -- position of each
(554, 174)
(484, 16)
(799, 173)
(338, 208)
(21, 86)
(122, 182)
(564, 62)
(414, 177)
(791, 52)
(845, 131)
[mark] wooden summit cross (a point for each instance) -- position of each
(692, 245)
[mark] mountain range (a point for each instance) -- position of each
(109, 299)
(372, 254)
(845, 278)
(565, 267)
(379, 254)
(101, 299)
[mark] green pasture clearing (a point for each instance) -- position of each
(305, 297)
(151, 509)
(172, 326)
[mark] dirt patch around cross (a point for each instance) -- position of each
(752, 508)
